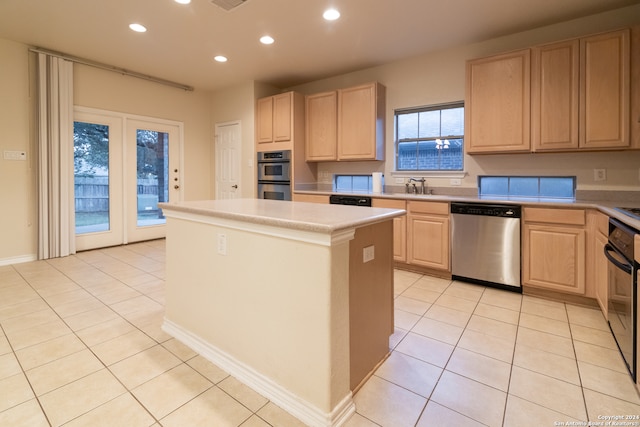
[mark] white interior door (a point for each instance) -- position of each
(227, 155)
(123, 167)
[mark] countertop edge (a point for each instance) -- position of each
(301, 223)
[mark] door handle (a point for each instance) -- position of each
(235, 186)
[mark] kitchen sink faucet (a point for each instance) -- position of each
(412, 188)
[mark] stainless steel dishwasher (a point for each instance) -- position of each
(485, 244)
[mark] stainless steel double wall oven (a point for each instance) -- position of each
(274, 175)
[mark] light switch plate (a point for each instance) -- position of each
(222, 244)
(15, 155)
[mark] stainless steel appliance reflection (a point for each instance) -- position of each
(622, 282)
(274, 175)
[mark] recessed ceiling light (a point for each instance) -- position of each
(331, 14)
(183, 1)
(138, 28)
(220, 58)
(266, 40)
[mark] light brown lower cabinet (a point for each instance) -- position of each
(399, 227)
(554, 249)
(428, 234)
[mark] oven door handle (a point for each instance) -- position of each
(608, 249)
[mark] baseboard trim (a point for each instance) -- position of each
(18, 259)
(299, 408)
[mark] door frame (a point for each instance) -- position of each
(124, 118)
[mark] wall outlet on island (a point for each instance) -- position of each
(368, 254)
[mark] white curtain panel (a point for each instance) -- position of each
(56, 203)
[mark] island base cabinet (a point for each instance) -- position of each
(370, 300)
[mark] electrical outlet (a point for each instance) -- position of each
(599, 174)
(368, 254)
(222, 244)
(455, 181)
(399, 180)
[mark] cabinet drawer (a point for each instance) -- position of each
(555, 216)
(435, 208)
(389, 203)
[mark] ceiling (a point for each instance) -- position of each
(182, 40)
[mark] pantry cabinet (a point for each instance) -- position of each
(554, 247)
(279, 121)
(428, 233)
(399, 226)
(321, 127)
(497, 103)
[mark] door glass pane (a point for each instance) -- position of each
(91, 176)
(152, 175)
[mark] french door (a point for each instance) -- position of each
(123, 167)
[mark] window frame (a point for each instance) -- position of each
(431, 172)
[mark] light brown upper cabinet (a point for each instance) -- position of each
(555, 81)
(497, 116)
(346, 125)
(604, 90)
(580, 93)
(279, 121)
(321, 127)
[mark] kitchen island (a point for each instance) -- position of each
(293, 299)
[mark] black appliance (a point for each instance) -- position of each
(622, 282)
(336, 199)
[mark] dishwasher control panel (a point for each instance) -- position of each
(485, 209)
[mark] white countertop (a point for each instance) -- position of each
(303, 216)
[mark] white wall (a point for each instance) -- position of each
(440, 77)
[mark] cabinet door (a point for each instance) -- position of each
(555, 85)
(429, 241)
(264, 120)
(497, 116)
(399, 227)
(554, 258)
(601, 274)
(604, 91)
(282, 117)
(358, 136)
(321, 122)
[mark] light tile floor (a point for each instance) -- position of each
(81, 345)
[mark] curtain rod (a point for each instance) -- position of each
(111, 68)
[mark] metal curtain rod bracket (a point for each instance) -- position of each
(111, 68)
